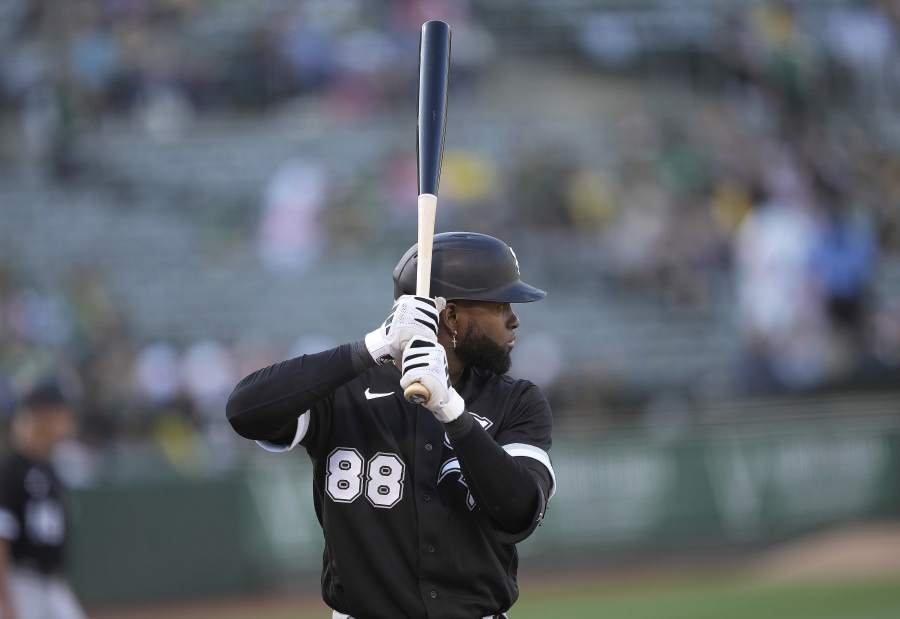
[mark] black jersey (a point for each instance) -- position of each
(32, 513)
(404, 537)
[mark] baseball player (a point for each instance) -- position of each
(421, 508)
(33, 521)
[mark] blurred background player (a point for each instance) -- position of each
(33, 514)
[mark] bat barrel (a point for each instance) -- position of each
(434, 75)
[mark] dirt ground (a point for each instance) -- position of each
(848, 553)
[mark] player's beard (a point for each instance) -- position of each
(479, 351)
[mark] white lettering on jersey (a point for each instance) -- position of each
(45, 522)
(384, 482)
(383, 478)
(452, 466)
(343, 482)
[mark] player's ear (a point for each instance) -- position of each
(450, 317)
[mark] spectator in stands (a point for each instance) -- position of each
(843, 263)
(780, 319)
(290, 233)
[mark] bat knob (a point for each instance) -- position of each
(416, 393)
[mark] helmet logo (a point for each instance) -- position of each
(518, 272)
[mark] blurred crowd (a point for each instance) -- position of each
(759, 160)
(128, 389)
(67, 66)
(780, 176)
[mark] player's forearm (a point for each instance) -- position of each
(266, 404)
(502, 485)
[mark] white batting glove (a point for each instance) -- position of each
(425, 361)
(411, 316)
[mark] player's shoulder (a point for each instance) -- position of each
(510, 386)
(12, 467)
(12, 460)
(504, 381)
(509, 382)
(385, 373)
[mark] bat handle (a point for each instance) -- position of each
(416, 393)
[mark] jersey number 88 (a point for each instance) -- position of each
(383, 481)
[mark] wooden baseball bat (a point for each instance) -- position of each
(434, 76)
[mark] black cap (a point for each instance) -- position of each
(468, 265)
(47, 393)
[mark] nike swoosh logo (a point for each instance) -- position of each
(372, 396)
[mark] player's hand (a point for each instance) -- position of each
(425, 361)
(411, 316)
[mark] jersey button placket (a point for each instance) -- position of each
(431, 511)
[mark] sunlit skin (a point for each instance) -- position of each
(495, 321)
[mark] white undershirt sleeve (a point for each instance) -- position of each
(302, 429)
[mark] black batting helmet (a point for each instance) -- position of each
(48, 392)
(468, 265)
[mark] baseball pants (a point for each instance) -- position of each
(39, 596)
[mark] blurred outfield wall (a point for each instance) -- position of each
(731, 485)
